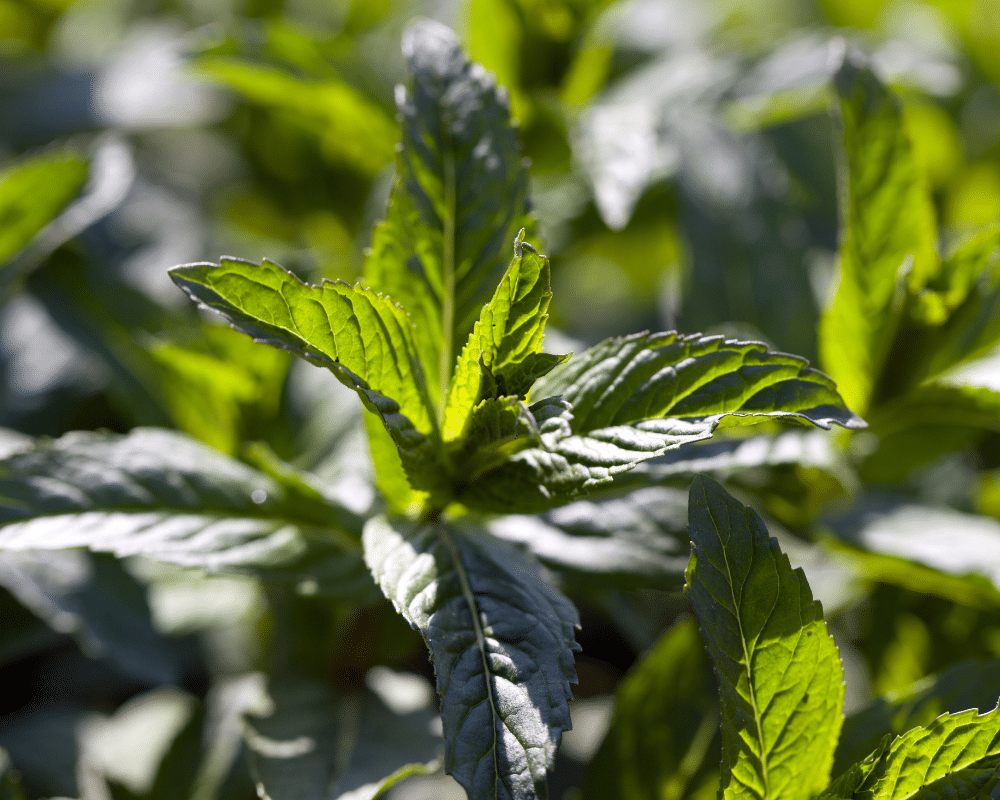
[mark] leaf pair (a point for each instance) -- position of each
(781, 683)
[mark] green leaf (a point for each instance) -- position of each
(364, 338)
(888, 235)
(851, 780)
(968, 684)
(956, 756)
(780, 679)
(33, 193)
(502, 644)
(633, 398)
(352, 129)
(635, 541)
(664, 733)
(167, 497)
(458, 201)
(503, 356)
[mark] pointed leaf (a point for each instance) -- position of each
(954, 750)
(503, 355)
(502, 644)
(458, 201)
(364, 338)
(780, 679)
(631, 399)
(888, 234)
(168, 497)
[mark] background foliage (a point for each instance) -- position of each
(684, 173)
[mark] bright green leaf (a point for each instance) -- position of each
(34, 192)
(503, 356)
(888, 235)
(457, 204)
(780, 679)
(364, 338)
(502, 642)
(956, 756)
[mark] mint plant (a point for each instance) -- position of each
(781, 682)
(469, 417)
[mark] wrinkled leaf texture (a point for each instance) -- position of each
(164, 496)
(779, 674)
(502, 642)
(633, 398)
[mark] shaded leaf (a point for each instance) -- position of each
(888, 234)
(502, 644)
(364, 338)
(780, 679)
(663, 740)
(167, 497)
(458, 201)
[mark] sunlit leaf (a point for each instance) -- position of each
(779, 674)
(502, 642)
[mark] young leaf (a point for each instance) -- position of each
(888, 234)
(364, 338)
(167, 497)
(503, 356)
(458, 201)
(779, 675)
(502, 642)
(633, 398)
(956, 755)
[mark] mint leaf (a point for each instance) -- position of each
(956, 755)
(364, 338)
(630, 399)
(780, 679)
(888, 234)
(663, 739)
(503, 356)
(164, 496)
(458, 201)
(502, 644)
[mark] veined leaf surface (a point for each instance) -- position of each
(957, 755)
(503, 356)
(888, 234)
(162, 495)
(458, 201)
(779, 675)
(364, 338)
(633, 398)
(502, 642)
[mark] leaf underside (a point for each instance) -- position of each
(502, 642)
(633, 398)
(164, 496)
(779, 674)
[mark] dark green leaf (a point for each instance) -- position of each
(780, 679)
(458, 201)
(888, 234)
(502, 644)
(167, 497)
(664, 733)
(364, 338)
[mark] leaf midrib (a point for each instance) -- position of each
(746, 661)
(470, 601)
(448, 267)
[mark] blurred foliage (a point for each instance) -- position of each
(685, 170)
